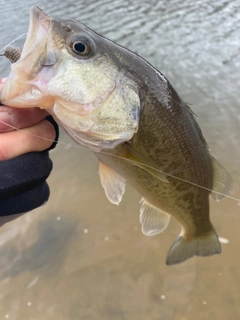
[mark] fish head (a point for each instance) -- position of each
(77, 75)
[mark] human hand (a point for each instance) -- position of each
(25, 138)
(35, 134)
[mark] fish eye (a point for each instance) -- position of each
(81, 45)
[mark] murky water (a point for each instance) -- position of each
(80, 257)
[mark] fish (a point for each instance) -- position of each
(117, 105)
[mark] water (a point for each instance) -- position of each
(80, 257)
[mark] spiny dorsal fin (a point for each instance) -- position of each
(222, 181)
(190, 110)
(153, 219)
(112, 182)
(193, 117)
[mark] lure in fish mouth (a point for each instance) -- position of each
(116, 104)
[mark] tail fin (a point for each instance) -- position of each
(183, 249)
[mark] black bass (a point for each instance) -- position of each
(117, 105)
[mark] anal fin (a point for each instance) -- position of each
(222, 181)
(153, 219)
(112, 182)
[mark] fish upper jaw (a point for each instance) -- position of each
(39, 27)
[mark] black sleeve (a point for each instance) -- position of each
(23, 184)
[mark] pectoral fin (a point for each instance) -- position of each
(222, 181)
(153, 220)
(142, 162)
(113, 183)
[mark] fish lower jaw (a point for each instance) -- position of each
(24, 101)
(24, 96)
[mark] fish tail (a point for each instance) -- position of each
(184, 248)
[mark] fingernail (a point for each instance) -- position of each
(7, 120)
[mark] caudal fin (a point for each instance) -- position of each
(183, 249)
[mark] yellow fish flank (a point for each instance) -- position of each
(117, 105)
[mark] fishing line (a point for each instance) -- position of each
(125, 159)
(13, 41)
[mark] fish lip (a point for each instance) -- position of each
(38, 16)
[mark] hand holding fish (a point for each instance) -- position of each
(24, 159)
(14, 143)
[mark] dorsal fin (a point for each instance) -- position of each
(222, 181)
(153, 219)
(112, 182)
(193, 117)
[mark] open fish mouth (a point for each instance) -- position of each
(31, 74)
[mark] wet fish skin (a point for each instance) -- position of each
(148, 124)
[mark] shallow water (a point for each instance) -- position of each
(80, 257)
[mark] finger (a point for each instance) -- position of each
(12, 118)
(36, 138)
(2, 82)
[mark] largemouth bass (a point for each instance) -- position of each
(117, 105)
